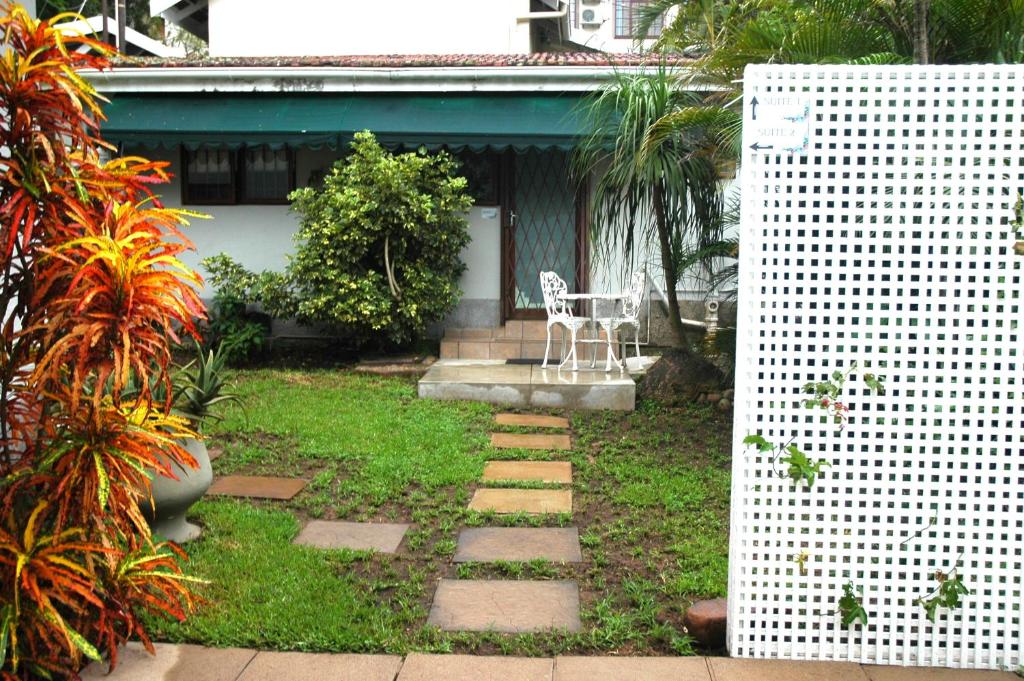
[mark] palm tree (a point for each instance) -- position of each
(661, 189)
(724, 36)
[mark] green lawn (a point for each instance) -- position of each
(650, 499)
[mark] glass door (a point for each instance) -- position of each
(543, 231)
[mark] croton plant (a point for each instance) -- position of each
(94, 295)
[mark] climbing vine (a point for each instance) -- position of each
(826, 395)
(948, 592)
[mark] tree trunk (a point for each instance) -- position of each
(669, 266)
(921, 31)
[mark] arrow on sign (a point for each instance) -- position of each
(757, 147)
(753, 109)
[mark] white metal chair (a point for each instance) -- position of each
(559, 313)
(631, 306)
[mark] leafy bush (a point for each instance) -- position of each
(93, 291)
(377, 251)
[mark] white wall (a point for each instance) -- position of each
(261, 237)
(313, 27)
(602, 37)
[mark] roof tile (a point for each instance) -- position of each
(405, 61)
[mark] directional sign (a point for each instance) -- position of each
(778, 123)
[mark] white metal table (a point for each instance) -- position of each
(595, 328)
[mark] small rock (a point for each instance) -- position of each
(728, 394)
(705, 620)
(713, 397)
(724, 405)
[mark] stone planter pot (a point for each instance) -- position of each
(173, 498)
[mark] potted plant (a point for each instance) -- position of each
(200, 390)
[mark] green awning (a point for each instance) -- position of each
(473, 120)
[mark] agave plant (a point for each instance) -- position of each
(94, 295)
(201, 386)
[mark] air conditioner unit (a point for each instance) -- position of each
(591, 17)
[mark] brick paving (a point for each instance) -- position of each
(631, 669)
(272, 666)
(194, 663)
(419, 667)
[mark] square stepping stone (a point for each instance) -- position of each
(172, 662)
(269, 666)
(522, 500)
(506, 606)
(257, 486)
(530, 441)
(420, 667)
(339, 534)
(539, 471)
(632, 669)
(488, 544)
(531, 421)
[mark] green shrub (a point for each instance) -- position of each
(377, 251)
(231, 329)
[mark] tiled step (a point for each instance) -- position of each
(490, 544)
(506, 606)
(530, 501)
(470, 333)
(516, 339)
(510, 348)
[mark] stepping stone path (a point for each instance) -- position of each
(516, 606)
(338, 534)
(257, 487)
(535, 471)
(531, 441)
(488, 544)
(505, 606)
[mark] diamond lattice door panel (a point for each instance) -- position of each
(878, 220)
(544, 234)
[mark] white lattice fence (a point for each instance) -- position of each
(888, 241)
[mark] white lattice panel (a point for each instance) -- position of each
(887, 242)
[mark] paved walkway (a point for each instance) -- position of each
(194, 663)
(480, 605)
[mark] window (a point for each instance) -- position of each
(256, 174)
(481, 173)
(627, 19)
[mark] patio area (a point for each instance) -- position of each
(496, 381)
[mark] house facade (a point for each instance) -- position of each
(278, 99)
